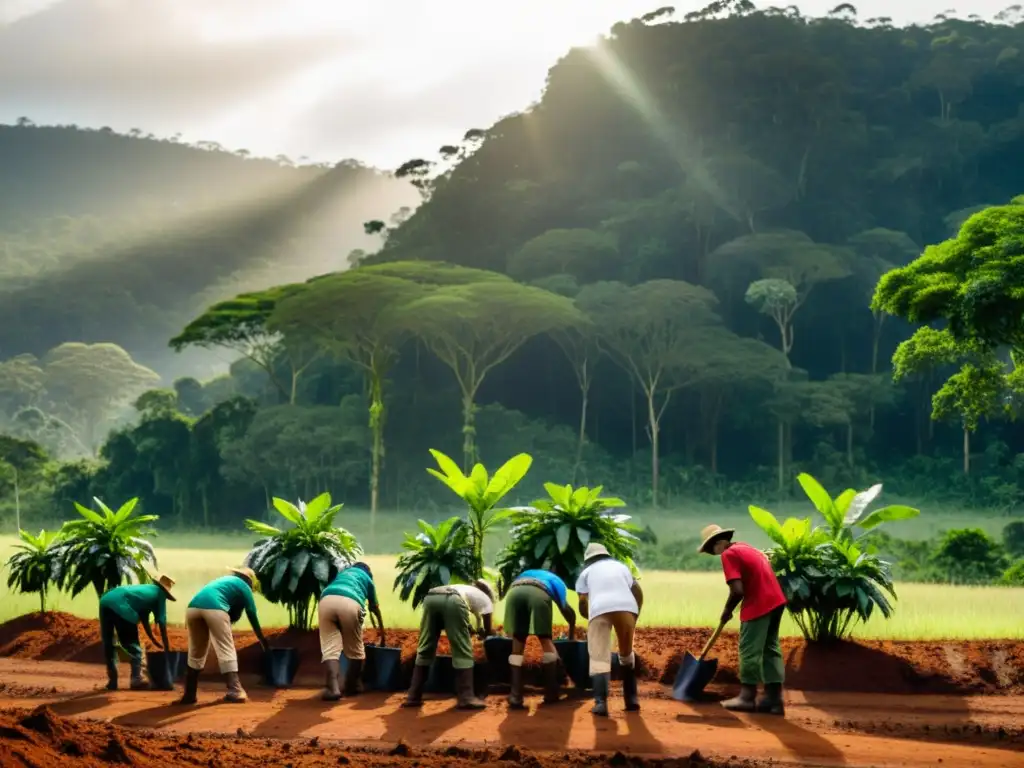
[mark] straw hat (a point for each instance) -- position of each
(594, 550)
(249, 574)
(712, 533)
(166, 583)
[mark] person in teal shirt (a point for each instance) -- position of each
(122, 609)
(209, 617)
(341, 615)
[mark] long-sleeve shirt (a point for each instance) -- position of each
(136, 602)
(230, 594)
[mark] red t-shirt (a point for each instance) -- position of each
(762, 593)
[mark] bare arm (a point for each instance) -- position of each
(375, 613)
(735, 598)
(570, 616)
(163, 636)
(584, 606)
(149, 634)
(638, 593)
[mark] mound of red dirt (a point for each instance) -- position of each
(41, 739)
(955, 667)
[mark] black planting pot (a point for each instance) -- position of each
(166, 668)
(280, 666)
(497, 650)
(382, 670)
(441, 678)
(576, 661)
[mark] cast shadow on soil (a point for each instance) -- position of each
(637, 739)
(545, 726)
(295, 718)
(161, 715)
(415, 728)
(82, 703)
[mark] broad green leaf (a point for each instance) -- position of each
(288, 511)
(444, 574)
(887, 515)
(509, 475)
(262, 528)
(562, 536)
(448, 467)
(460, 485)
(558, 494)
(583, 535)
(842, 501)
(88, 514)
(316, 507)
(768, 523)
(478, 480)
(860, 503)
(820, 499)
(542, 545)
(126, 510)
(280, 569)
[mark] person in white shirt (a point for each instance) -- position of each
(609, 598)
(449, 608)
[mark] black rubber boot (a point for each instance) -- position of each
(551, 687)
(191, 687)
(353, 677)
(419, 680)
(771, 703)
(464, 689)
(332, 682)
(600, 683)
(111, 675)
(515, 695)
(745, 702)
(629, 692)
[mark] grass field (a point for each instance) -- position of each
(672, 598)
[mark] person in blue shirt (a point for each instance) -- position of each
(528, 611)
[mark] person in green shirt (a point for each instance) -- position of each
(209, 617)
(341, 615)
(122, 609)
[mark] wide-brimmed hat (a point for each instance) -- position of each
(248, 573)
(712, 533)
(594, 550)
(166, 583)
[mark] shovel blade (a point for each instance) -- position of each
(693, 677)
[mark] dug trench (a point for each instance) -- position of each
(854, 704)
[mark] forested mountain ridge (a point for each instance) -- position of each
(122, 238)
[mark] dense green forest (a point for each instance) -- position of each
(659, 279)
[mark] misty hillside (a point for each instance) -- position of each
(107, 237)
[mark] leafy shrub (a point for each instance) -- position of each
(830, 581)
(481, 494)
(968, 556)
(103, 550)
(294, 565)
(435, 556)
(553, 534)
(1014, 575)
(1013, 538)
(32, 566)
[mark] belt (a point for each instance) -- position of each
(530, 583)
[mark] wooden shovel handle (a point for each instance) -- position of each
(711, 641)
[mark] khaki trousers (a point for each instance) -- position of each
(599, 639)
(341, 628)
(206, 626)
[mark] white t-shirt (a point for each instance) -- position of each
(479, 603)
(607, 585)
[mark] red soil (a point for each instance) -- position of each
(951, 667)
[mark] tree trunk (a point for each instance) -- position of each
(849, 443)
(468, 432)
(585, 394)
(652, 425)
(292, 395)
(967, 451)
(716, 415)
(781, 451)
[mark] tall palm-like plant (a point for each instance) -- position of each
(294, 564)
(31, 568)
(481, 494)
(435, 556)
(103, 549)
(554, 533)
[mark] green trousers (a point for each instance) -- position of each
(528, 612)
(450, 613)
(127, 633)
(760, 654)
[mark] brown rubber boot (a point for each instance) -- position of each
(236, 693)
(745, 702)
(354, 677)
(551, 686)
(419, 680)
(332, 686)
(464, 689)
(515, 694)
(138, 681)
(771, 703)
(191, 687)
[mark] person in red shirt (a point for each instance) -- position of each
(753, 583)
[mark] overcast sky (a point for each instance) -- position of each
(377, 80)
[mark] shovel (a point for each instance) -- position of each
(695, 673)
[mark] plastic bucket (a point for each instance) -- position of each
(497, 650)
(576, 661)
(280, 666)
(441, 678)
(382, 670)
(166, 668)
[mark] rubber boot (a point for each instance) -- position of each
(600, 683)
(191, 687)
(515, 694)
(419, 680)
(332, 687)
(771, 703)
(629, 693)
(353, 677)
(138, 682)
(111, 675)
(236, 693)
(745, 702)
(550, 673)
(464, 689)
